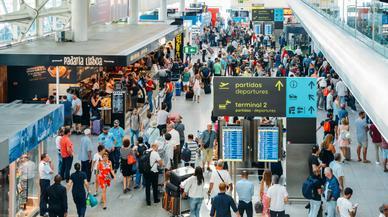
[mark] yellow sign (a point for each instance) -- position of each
(257, 6)
(279, 85)
(287, 11)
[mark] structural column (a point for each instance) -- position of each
(181, 6)
(134, 18)
(163, 10)
(79, 19)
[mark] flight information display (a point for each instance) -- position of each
(232, 143)
(268, 144)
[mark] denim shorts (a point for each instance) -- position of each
(385, 153)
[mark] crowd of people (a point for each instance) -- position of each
(158, 136)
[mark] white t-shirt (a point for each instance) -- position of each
(277, 193)
(154, 158)
(169, 148)
(344, 205)
(96, 158)
(216, 180)
(192, 188)
(45, 170)
(58, 142)
(175, 138)
(75, 103)
(338, 171)
(341, 88)
(161, 117)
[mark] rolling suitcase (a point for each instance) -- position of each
(189, 95)
(207, 89)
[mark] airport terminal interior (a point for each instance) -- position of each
(265, 108)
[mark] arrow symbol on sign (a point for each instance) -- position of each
(311, 109)
(311, 84)
(279, 85)
(311, 97)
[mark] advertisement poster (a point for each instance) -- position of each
(179, 44)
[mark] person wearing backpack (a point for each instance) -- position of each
(312, 190)
(140, 149)
(151, 172)
(328, 125)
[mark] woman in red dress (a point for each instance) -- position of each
(105, 174)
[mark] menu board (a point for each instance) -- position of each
(232, 143)
(268, 144)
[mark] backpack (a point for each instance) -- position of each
(186, 154)
(326, 126)
(308, 187)
(141, 150)
(144, 163)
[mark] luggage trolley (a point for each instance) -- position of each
(172, 199)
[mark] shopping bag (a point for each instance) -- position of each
(91, 200)
(258, 207)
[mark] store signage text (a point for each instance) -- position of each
(82, 61)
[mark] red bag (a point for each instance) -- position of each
(131, 159)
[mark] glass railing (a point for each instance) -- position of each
(367, 20)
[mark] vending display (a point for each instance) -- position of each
(268, 144)
(232, 143)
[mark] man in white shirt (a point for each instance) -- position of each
(45, 173)
(77, 113)
(278, 197)
(161, 117)
(152, 177)
(344, 207)
(338, 170)
(219, 175)
(175, 141)
(342, 90)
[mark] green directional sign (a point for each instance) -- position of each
(190, 50)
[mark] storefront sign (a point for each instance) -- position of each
(82, 60)
(301, 97)
(243, 96)
(232, 143)
(263, 15)
(179, 43)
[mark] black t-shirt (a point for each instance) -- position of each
(78, 178)
(332, 127)
(313, 160)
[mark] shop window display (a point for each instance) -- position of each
(4, 192)
(27, 184)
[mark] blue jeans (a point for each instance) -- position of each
(59, 162)
(150, 100)
(314, 208)
(134, 133)
(139, 178)
(331, 208)
(116, 156)
(195, 206)
(168, 101)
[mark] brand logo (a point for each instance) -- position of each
(81, 61)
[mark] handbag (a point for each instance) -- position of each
(131, 159)
(258, 207)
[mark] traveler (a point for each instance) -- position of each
(313, 161)
(265, 183)
(169, 90)
(67, 153)
(345, 208)
(331, 192)
(95, 104)
(330, 101)
(362, 138)
(186, 79)
(67, 111)
(151, 177)
(152, 133)
(161, 118)
(338, 170)
(218, 176)
(341, 90)
(194, 187)
(196, 80)
(134, 125)
(205, 74)
(78, 183)
(384, 149)
(208, 141)
(85, 154)
(315, 200)
(96, 160)
(342, 113)
(180, 127)
(126, 168)
(150, 87)
(58, 145)
(383, 210)
(278, 197)
(77, 114)
(327, 149)
(118, 135)
(46, 170)
(376, 139)
(245, 190)
(105, 175)
(217, 68)
(222, 203)
(194, 149)
(56, 198)
(108, 141)
(329, 126)
(175, 142)
(343, 133)
(139, 150)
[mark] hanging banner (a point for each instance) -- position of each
(179, 45)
